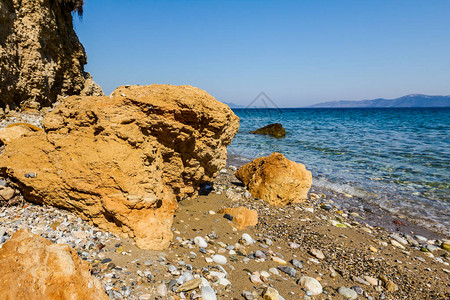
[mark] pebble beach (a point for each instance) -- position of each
(301, 251)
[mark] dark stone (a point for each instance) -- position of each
(106, 260)
(288, 270)
(205, 189)
(359, 290)
(228, 216)
(275, 130)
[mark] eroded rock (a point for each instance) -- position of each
(276, 179)
(34, 268)
(123, 161)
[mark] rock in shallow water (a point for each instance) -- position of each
(275, 130)
(276, 179)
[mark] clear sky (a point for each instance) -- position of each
(298, 52)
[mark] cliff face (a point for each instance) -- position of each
(40, 54)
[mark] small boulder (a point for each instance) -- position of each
(275, 130)
(242, 216)
(6, 193)
(276, 179)
(34, 268)
(16, 131)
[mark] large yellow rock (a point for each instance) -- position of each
(276, 179)
(34, 268)
(123, 161)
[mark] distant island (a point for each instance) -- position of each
(413, 100)
(232, 105)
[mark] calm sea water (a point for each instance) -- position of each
(395, 158)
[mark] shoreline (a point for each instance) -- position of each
(375, 215)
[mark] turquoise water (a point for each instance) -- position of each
(395, 158)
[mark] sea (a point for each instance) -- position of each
(394, 159)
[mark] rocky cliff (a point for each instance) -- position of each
(40, 54)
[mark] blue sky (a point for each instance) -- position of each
(298, 52)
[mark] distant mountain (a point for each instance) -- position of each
(232, 105)
(413, 100)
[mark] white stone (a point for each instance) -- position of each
(397, 244)
(208, 293)
(162, 290)
(224, 281)
(279, 260)
(219, 259)
(311, 284)
(347, 293)
(200, 242)
(371, 280)
(247, 239)
(274, 271)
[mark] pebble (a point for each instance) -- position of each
(268, 242)
(311, 284)
(274, 271)
(260, 254)
(248, 296)
(337, 224)
(228, 217)
(371, 280)
(288, 270)
(189, 285)
(219, 259)
(208, 293)
(359, 290)
(279, 260)
(200, 242)
(255, 278)
(360, 280)
(389, 284)
(399, 239)
(373, 249)
(161, 289)
(294, 245)
(296, 263)
(446, 245)
(347, 293)
(265, 274)
(421, 238)
(247, 239)
(271, 294)
(317, 253)
(397, 244)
